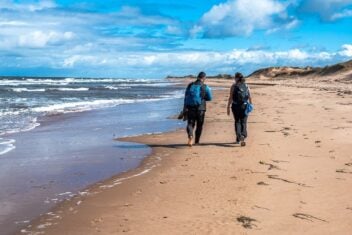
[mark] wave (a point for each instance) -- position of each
(66, 81)
(95, 104)
(117, 87)
(6, 145)
(102, 88)
(69, 104)
(111, 87)
(163, 84)
(27, 90)
(25, 117)
(23, 127)
(174, 95)
(157, 84)
(109, 80)
(50, 89)
(69, 89)
(80, 106)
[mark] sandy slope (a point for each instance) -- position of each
(294, 176)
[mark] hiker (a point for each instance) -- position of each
(196, 95)
(239, 100)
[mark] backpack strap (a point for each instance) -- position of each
(234, 94)
(203, 91)
(189, 86)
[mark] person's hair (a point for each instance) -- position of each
(201, 75)
(239, 77)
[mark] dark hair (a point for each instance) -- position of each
(201, 75)
(239, 77)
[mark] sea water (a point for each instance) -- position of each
(57, 136)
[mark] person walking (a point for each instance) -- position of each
(196, 95)
(240, 101)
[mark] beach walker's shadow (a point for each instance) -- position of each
(178, 146)
(174, 146)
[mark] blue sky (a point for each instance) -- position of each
(155, 38)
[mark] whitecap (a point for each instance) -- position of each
(66, 81)
(6, 145)
(27, 90)
(69, 89)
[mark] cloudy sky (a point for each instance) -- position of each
(155, 38)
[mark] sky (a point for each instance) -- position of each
(156, 38)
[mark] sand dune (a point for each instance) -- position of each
(336, 72)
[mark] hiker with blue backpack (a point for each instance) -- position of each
(240, 102)
(196, 95)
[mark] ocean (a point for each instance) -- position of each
(24, 100)
(57, 136)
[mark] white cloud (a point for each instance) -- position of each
(343, 14)
(13, 23)
(328, 10)
(175, 30)
(41, 39)
(37, 6)
(196, 29)
(325, 55)
(41, 23)
(346, 50)
(290, 25)
(242, 17)
(134, 16)
(198, 59)
(85, 59)
(45, 4)
(119, 63)
(296, 54)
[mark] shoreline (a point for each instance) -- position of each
(148, 163)
(121, 209)
(86, 145)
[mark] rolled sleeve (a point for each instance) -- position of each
(209, 95)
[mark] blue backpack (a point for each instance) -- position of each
(195, 93)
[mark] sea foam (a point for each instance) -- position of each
(6, 145)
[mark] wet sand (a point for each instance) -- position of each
(293, 177)
(70, 152)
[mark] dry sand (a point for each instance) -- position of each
(293, 177)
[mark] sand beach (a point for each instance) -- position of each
(293, 177)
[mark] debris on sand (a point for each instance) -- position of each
(246, 222)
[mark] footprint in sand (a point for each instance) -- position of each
(262, 183)
(270, 166)
(96, 221)
(260, 207)
(344, 171)
(308, 217)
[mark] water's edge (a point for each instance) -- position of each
(142, 151)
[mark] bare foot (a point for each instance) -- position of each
(190, 142)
